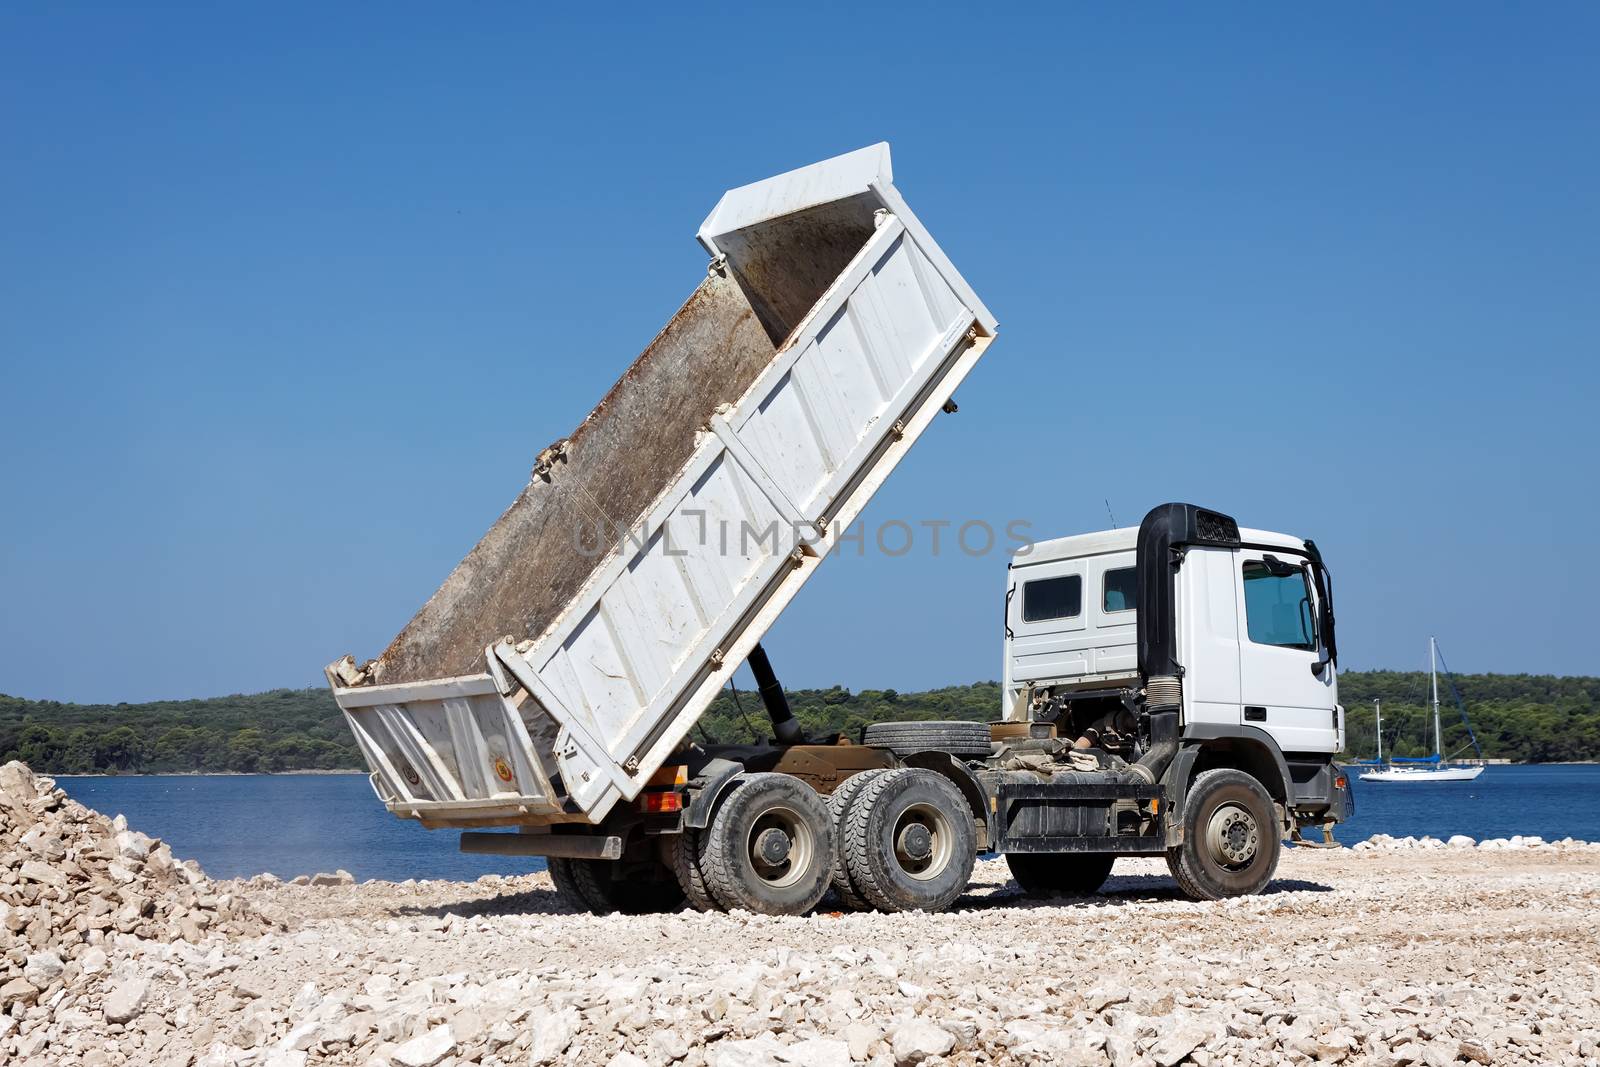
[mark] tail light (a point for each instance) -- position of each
(658, 803)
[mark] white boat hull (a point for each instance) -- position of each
(1422, 774)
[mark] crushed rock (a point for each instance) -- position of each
(1387, 954)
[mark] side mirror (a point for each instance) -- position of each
(1318, 667)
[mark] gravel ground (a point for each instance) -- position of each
(1384, 954)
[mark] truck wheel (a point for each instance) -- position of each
(566, 884)
(593, 885)
(839, 808)
(1050, 873)
(769, 848)
(910, 842)
(1230, 837)
(968, 740)
(690, 871)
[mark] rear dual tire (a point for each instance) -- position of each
(840, 803)
(909, 841)
(769, 849)
(604, 886)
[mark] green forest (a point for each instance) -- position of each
(1538, 718)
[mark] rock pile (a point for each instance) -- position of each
(1388, 843)
(72, 883)
(1396, 953)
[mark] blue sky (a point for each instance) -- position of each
(266, 276)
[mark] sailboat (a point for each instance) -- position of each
(1424, 768)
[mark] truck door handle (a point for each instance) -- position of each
(1254, 714)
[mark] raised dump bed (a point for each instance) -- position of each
(573, 649)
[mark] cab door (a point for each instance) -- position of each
(1286, 685)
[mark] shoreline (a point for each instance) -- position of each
(363, 773)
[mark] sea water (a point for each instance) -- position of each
(239, 825)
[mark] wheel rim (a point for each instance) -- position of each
(1233, 836)
(780, 847)
(924, 841)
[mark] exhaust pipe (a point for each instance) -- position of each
(1163, 697)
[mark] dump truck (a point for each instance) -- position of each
(542, 701)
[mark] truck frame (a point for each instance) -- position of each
(542, 700)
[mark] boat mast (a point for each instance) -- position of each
(1433, 669)
(1377, 709)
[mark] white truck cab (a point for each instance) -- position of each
(1200, 656)
(1248, 633)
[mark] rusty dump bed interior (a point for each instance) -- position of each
(603, 477)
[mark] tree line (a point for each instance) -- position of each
(1539, 718)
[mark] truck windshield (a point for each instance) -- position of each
(1278, 608)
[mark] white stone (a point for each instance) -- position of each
(42, 968)
(426, 1049)
(305, 1036)
(306, 1001)
(669, 1044)
(43, 873)
(861, 1037)
(220, 1054)
(915, 1041)
(1177, 1042)
(1460, 841)
(553, 1031)
(126, 999)
(763, 1050)
(1121, 1050)
(132, 846)
(339, 877)
(1102, 997)
(247, 988)
(817, 1052)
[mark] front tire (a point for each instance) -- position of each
(1077, 874)
(1230, 837)
(910, 841)
(769, 848)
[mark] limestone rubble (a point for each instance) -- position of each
(1396, 952)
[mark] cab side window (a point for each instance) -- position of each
(1122, 589)
(1052, 598)
(1278, 609)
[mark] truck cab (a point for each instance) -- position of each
(1249, 626)
(1190, 653)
